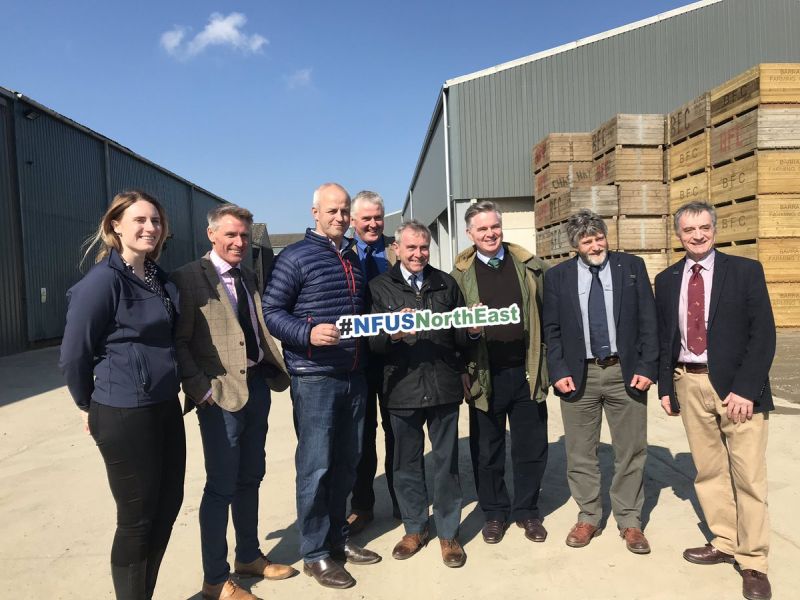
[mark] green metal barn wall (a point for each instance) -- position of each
(56, 179)
(13, 337)
(496, 119)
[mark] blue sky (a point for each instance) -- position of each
(260, 101)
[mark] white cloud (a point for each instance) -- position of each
(221, 30)
(298, 79)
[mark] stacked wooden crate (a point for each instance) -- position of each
(628, 152)
(688, 156)
(754, 179)
(561, 164)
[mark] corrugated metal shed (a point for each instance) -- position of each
(56, 179)
(495, 116)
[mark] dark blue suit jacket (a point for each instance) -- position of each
(634, 315)
(741, 330)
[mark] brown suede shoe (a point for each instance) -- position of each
(493, 531)
(358, 520)
(635, 540)
(329, 573)
(707, 555)
(410, 545)
(534, 530)
(263, 567)
(453, 554)
(226, 590)
(581, 534)
(755, 585)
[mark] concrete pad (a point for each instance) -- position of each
(57, 515)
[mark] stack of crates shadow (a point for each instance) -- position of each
(750, 172)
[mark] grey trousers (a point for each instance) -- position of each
(627, 421)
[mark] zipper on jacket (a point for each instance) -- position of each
(308, 320)
(139, 367)
(350, 280)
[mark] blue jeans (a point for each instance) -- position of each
(328, 419)
(233, 446)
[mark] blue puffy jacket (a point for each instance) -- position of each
(311, 283)
(118, 346)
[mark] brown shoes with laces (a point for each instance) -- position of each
(453, 554)
(227, 590)
(581, 534)
(707, 555)
(635, 540)
(493, 531)
(755, 585)
(534, 530)
(410, 545)
(263, 567)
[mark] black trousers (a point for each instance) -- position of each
(144, 450)
(510, 401)
(409, 467)
(363, 493)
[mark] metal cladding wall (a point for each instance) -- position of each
(129, 172)
(13, 337)
(62, 193)
(430, 188)
(496, 118)
(56, 180)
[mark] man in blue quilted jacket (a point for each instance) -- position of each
(313, 283)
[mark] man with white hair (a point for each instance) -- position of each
(602, 356)
(376, 255)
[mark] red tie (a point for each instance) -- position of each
(696, 312)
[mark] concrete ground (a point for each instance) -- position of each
(57, 514)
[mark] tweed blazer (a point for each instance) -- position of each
(209, 341)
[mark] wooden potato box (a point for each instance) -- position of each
(770, 172)
(629, 164)
(689, 156)
(562, 147)
(628, 130)
(785, 300)
(649, 198)
(601, 199)
(767, 83)
(642, 233)
(541, 213)
(690, 189)
(556, 177)
(763, 217)
(690, 118)
(761, 129)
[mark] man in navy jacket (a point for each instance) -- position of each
(717, 337)
(602, 356)
(313, 283)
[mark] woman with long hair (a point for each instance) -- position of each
(118, 357)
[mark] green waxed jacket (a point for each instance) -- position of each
(530, 272)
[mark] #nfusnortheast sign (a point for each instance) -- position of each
(351, 326)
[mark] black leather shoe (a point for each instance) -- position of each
(355, 554)
(707, 555)
(755, 585)
(534, 530)
(493, 531)
(329, 573)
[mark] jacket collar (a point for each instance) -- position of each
(466, 257)
(324, 242)
(431, 278)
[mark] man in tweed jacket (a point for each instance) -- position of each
(228, 363)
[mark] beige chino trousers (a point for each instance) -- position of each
(731, 462)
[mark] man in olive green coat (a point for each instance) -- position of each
(507, 375)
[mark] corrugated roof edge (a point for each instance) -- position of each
(18, 96)
(582, 42)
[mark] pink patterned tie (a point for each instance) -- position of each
(696, 312)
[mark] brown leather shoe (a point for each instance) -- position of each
(581, 534)
(358, 520)
(755, 585)
(410, 545)
(355, 554)
(263, 567)
(534, 530)
(493, 531)
(329, 573)
(635, 540)
(453, 554)
(707, 555)
(226, 590)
